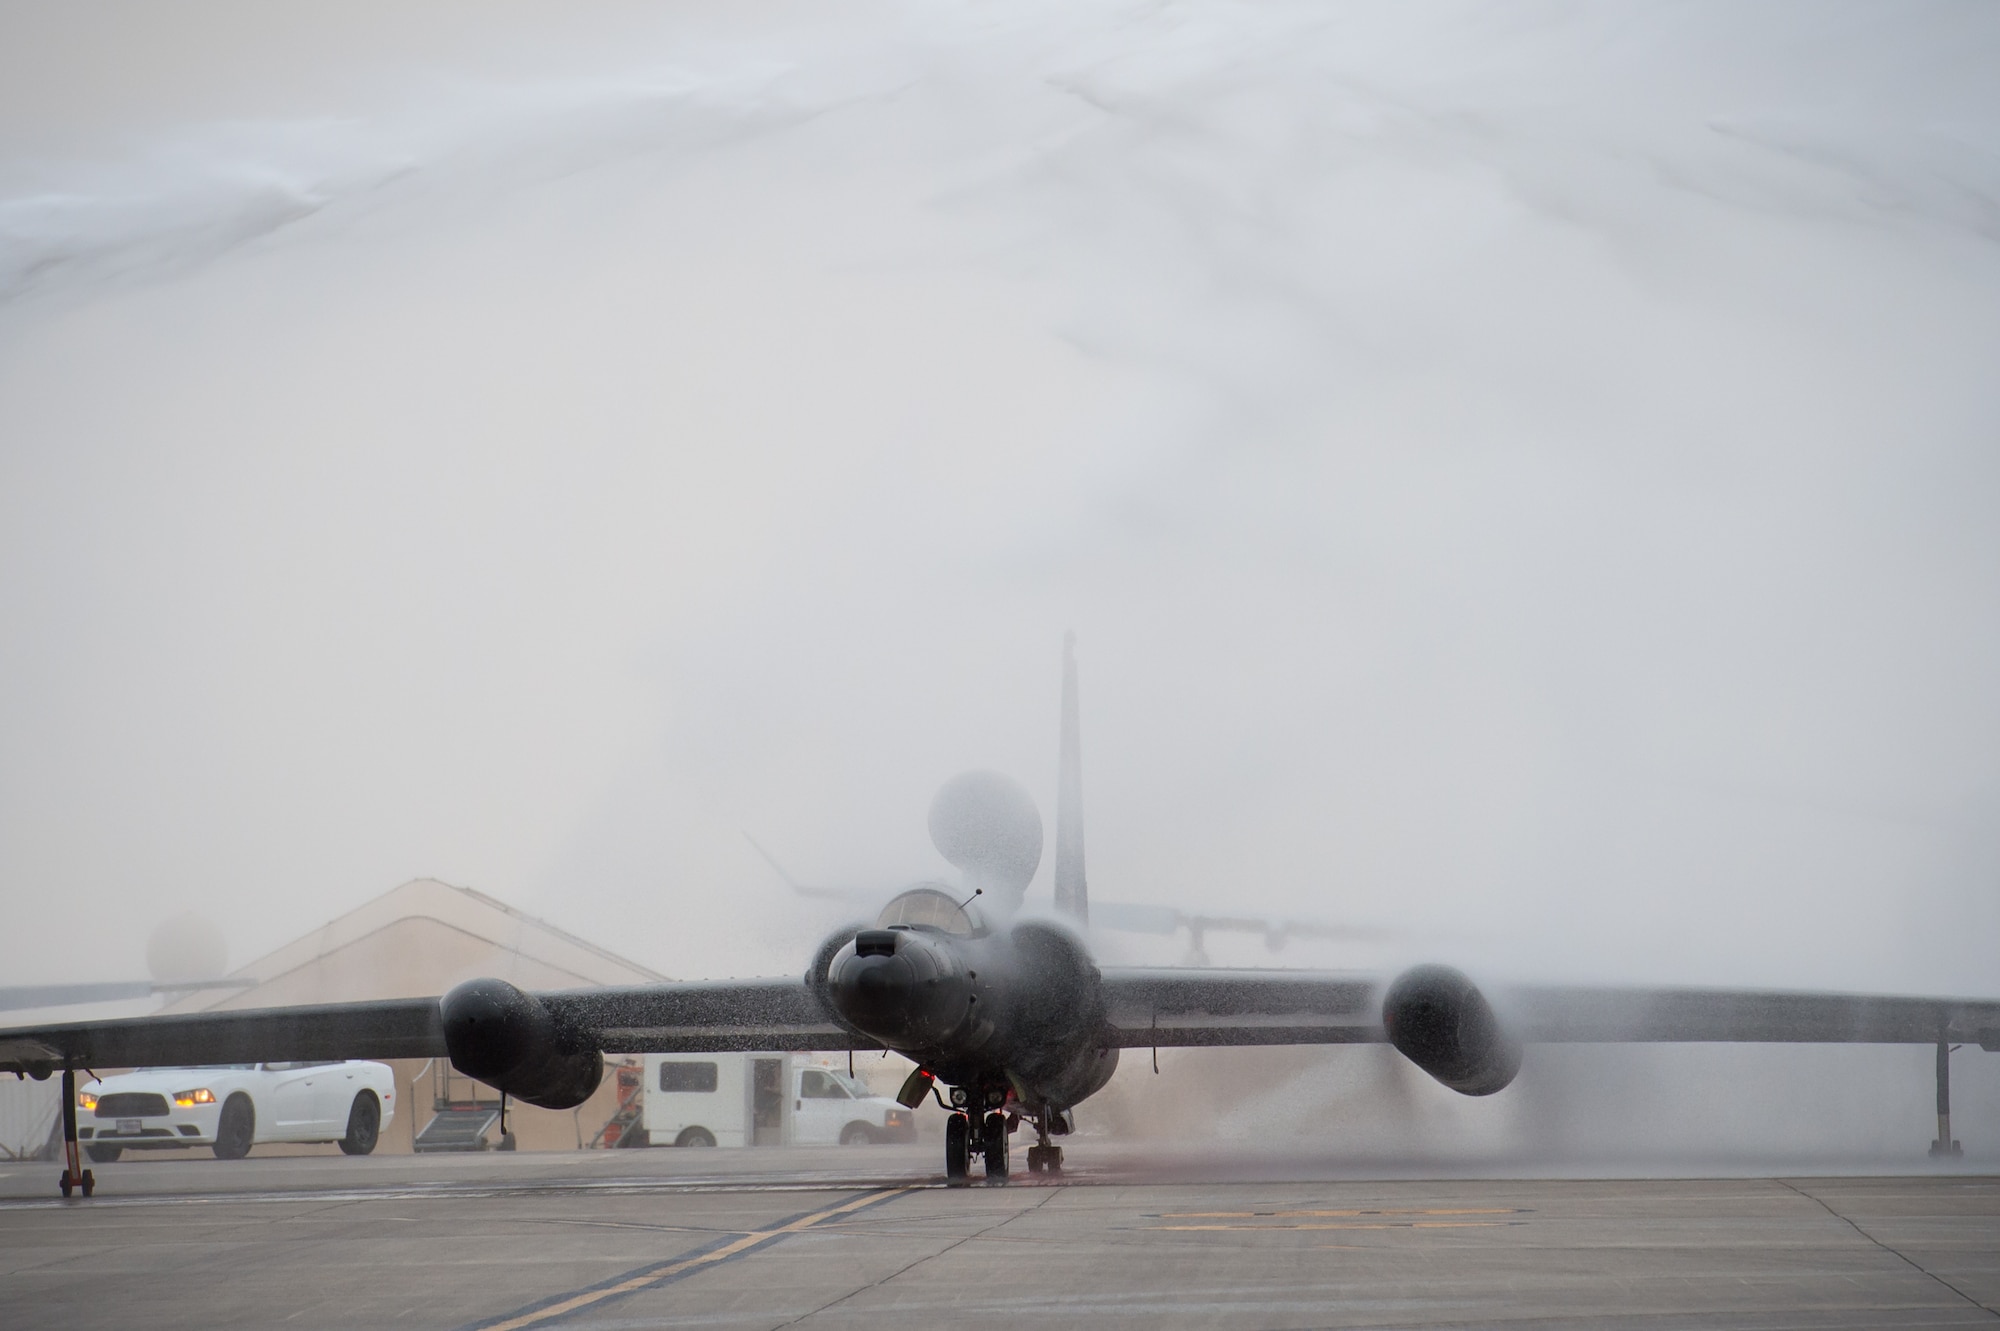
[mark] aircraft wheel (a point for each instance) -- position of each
(364, 1125)
(65, 1183)
(957, 1148)
(104, 1155)
(235, 1129)
(89, 1183)
(995, 1148)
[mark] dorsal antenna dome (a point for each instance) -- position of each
(987, 826)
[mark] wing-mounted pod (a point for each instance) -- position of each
(1438, 1019)
(508, 1039)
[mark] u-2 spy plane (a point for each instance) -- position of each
(1008, 1018)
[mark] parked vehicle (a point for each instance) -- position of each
(764, 1100)
(230, 1109)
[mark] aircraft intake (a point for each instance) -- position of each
(507, 1039)
(1438, 1019)
(900, 987)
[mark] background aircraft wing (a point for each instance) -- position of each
(104, 991)
(1167, 1008)
(775, 1014)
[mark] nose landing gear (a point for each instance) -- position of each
(969, 1132)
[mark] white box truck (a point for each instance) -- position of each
(764, 1100)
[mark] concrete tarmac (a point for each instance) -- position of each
(869, 1238)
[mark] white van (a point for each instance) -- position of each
(764, 1100)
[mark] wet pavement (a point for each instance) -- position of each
(869, 1237)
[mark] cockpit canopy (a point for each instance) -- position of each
(930, 908)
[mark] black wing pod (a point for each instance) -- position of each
(905, 987)
(507, 1039)
(1439, 1020)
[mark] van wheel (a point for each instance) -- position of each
(236, 1129)
(857, 1134)
(364, 1125)
(695, 1137)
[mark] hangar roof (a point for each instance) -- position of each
(416, 940)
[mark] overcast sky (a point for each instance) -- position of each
(1524, 475)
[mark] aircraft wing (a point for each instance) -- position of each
(396, 1028)
(1172, 1007)
(1179, 1007)
(697, 1016)
(1160, 1007)
(704, 1016)
(1579, 1013)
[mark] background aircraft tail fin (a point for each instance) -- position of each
(1072, 893)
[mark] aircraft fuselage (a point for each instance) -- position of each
(1018, 1007)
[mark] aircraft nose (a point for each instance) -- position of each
(875, 988)
(899, 987)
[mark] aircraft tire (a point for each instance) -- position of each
(957, 1148)
(994, 1148)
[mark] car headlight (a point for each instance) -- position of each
(186, 1099)
(86, 1099)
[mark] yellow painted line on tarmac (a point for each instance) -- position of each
(1373, 1210)
(660, 1275)
(1377, 1224)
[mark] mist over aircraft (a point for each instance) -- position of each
(987, 826)
(1009, 1017)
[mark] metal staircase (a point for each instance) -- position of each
(624, 1128)
(460, 1122)
(458, 1128)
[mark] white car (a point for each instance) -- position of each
(232, 1108)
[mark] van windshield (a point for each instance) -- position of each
(817, 1085)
